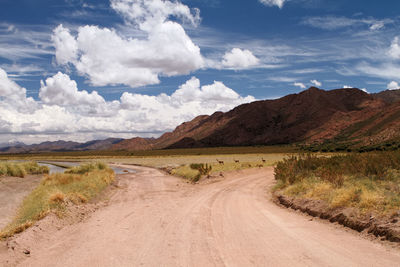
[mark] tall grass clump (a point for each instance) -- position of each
(77, 185)
(192, 172)
(195, 171)
(203, 169)
(21, 169)
(368, 181)
(85, 168)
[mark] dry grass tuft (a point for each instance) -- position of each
(345, 197)
(191, 171)
(58, 197)
(55, 190)
(369, 182)
(319, 191)
(21, 169)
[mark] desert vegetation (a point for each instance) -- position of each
(77, 185)
(76, 155)
(352, 146)
(195, 171)
(192, 172)
(21, 169)
(176, 161)
(369, 182)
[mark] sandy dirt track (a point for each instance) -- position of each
(158, 220)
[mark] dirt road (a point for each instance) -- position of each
(158, 220)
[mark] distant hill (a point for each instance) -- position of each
(389, 96)
(61, 146)
(340, 119)
(313, 116)
(10, 144)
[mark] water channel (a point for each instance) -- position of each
(60, 167)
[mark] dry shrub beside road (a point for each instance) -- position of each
(77, 185)
(360, 191)
(369, 182)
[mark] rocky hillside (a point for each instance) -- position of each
(389, 96)
(313, 116)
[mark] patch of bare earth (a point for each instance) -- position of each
(153, 219)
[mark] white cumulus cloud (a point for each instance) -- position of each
(107, 57)
(316, 83)
(65, 112)
(239, 59)
(278, 3)
(61, 90)
(66, 45)
(301, 85)
(394, 50)
(14, 96)
(393, 85)
(149, 13)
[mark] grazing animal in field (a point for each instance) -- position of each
(236, 160)
(220, 162)
(263, 160)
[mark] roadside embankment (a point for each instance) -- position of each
(360, 191)
(388, 228)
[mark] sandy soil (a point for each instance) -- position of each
(158, 220)
(12, 191)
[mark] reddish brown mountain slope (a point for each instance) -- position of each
(389, 96)
(311, 116)
(136, 143)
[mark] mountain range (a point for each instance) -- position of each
(316, 119)
(60, 146)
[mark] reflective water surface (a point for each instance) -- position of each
(60, 167)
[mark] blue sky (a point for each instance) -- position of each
(128, 60)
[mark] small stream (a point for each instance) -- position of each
(52, 168)
(56, 168)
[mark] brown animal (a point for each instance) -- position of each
(263, 160)
(220, 162)
(236, 160)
